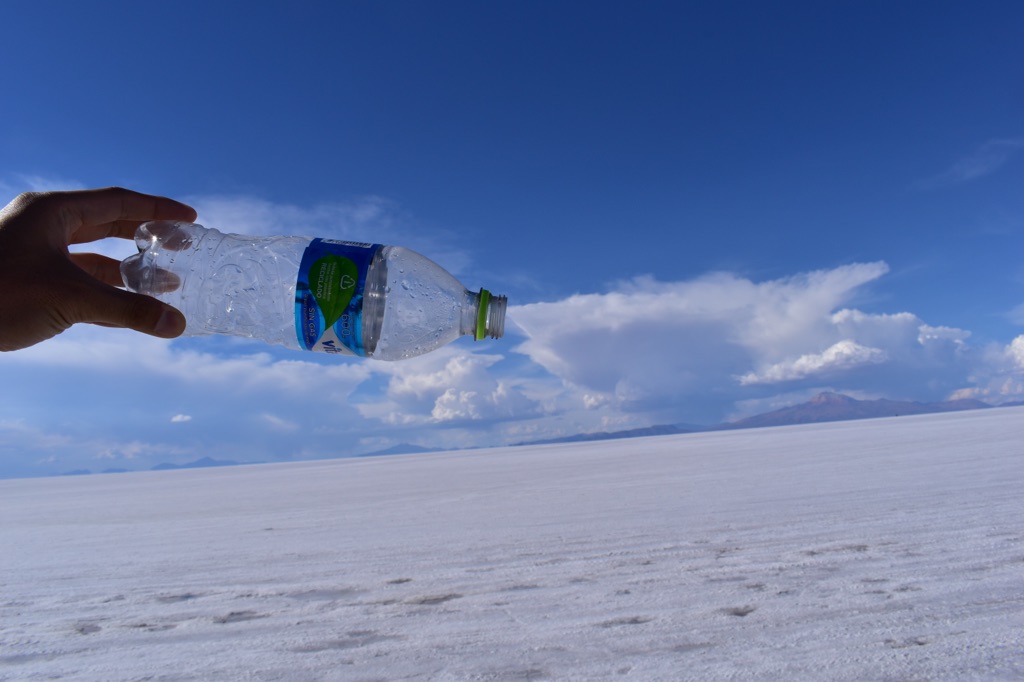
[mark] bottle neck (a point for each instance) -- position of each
(483, 315)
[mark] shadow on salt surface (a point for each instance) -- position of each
(355, 639)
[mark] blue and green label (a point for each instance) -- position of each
(329, 296)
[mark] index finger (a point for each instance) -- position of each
(111, 212)
(125, 229)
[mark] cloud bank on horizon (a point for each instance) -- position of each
(643, 352)
(722, 345)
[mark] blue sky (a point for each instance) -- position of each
(698, 211)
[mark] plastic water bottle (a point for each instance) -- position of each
(370, 300)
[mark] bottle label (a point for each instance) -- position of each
(329, 296)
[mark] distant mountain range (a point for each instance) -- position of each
(831, 407)
(202, 463)
(824, 407)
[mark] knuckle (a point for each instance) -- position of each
(28, 203)
(27, 199)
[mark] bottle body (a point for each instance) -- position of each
(382, 302)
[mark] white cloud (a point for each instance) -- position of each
(999, 377)
(794, 313)
(126, 451)
(502, 401)
(651, 342)
(18, 433)
(692, 350)
(120, 351)
(27, 446)
(118, 386)
(928, 334)
(1015, 352)
(249, 215)
(16, 183)
(279, 423)
(449, 385)
(1016, 315)
(841, 356)
(983, 161)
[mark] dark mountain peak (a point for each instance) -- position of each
(831, 398)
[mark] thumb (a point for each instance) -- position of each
(114, 307)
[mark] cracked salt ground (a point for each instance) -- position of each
(887, 549)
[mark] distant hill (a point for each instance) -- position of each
(203, 463)
(830, 407)
(824, 407)
(400, 449)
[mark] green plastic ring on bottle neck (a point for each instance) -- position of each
(481, 315)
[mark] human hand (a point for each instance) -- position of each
(44, 289)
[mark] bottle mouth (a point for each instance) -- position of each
(490, 319)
